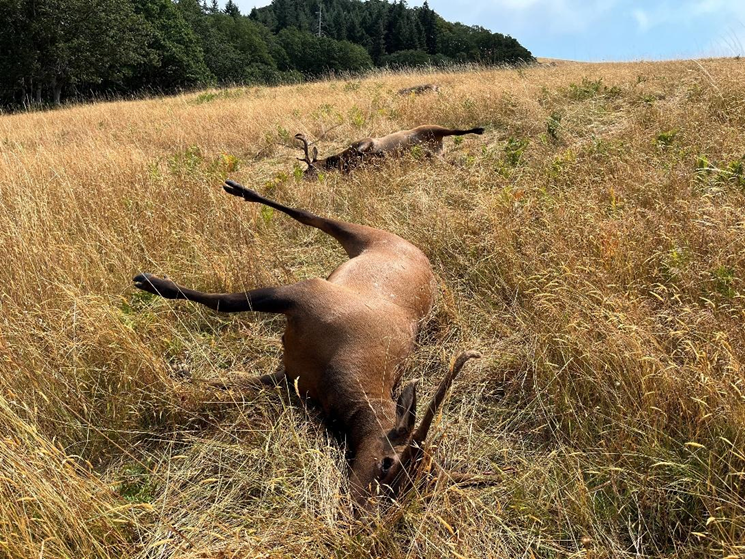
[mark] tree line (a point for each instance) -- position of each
(54, 49)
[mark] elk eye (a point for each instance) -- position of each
(386, 466)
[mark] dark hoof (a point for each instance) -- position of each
(144, 281)
(157, 286)
(236, 189)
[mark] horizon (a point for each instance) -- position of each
(601, 30)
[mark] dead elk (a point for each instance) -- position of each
(419, 89)
(346, 339)
(429, 136)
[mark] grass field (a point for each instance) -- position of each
(591, 245)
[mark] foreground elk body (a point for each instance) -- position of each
(429, 136)
(346, 339)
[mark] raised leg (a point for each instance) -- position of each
(353, 238)
(478, 130)
(266, 299)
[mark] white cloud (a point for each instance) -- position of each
(557, 17)
(724, 19)
(566, 17)
(642, 19)
(686, 12)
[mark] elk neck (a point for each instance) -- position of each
(367, 419)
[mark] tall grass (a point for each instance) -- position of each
(591, 245)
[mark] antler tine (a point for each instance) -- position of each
(421, 433)
(307, 159)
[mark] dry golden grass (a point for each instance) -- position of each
(591, 244)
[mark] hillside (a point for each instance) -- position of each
(53, 51)
(591, 244)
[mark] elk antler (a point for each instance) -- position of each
(308, 159)
(413, 453)
(421, 433)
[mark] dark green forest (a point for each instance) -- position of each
(53, 50)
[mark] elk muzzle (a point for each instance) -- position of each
(388, 465)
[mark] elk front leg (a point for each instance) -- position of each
(267, 299)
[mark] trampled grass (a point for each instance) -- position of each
(591, 245)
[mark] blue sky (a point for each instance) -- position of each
(596, 30)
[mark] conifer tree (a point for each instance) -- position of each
(231, 9)
(53, 48)
(428, 20)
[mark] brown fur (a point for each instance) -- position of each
(429, 136)
(419, 89)
(346, 337)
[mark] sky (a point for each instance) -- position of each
(602, 30)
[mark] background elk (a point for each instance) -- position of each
(419, 89)
(345, 341)
(429, 136)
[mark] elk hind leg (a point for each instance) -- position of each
(352, 237)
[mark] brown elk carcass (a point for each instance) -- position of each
(419, 89)
(429, 137)
(346, 340)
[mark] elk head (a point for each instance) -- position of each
(388, 464)
(343, 161)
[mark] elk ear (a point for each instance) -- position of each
(406, 410)
(314, 158)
